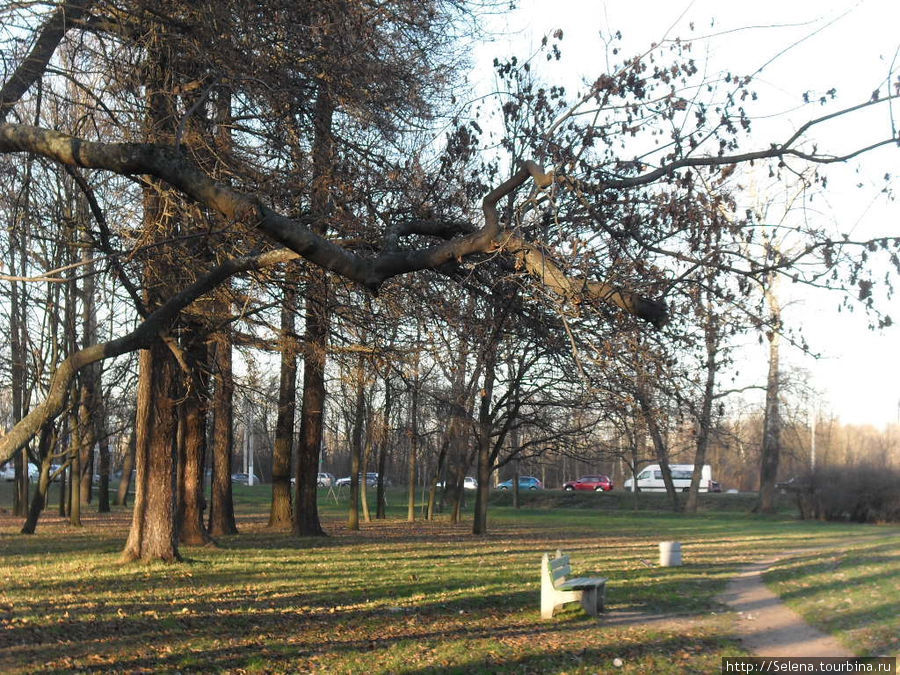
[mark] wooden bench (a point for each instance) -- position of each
(557, 589)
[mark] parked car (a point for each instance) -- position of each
(371, 480)
(650, 479)
(325, 479)
(525, 483)
(244, 479)
(469, 483)
(8, 472)
(597, 483)
(793, 484)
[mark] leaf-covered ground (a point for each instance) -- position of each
(395, 597)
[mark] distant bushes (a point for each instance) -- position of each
(861, 494)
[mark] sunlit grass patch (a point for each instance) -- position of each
(852, 591)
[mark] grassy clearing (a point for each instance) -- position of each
(852, 591)
(395, 597)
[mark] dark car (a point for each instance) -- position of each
(371, 480)
(596, 483)
(525, 483)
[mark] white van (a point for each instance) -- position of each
(650, 478)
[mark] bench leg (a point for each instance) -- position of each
(547, 606)
(589, 600)
(551, 599)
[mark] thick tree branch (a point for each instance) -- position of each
(170, 166)
(574, 289)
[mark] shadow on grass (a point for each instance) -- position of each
(281, 638)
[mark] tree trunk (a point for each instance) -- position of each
(63, 477)
(364, 466)
(383, 444)
(17, 346)
(153, 532)
(432, 490)
(87, 437)
(127, 468)
(306, 512)
(659, 446)
(485, 432)
(771, 445)
(75, 445)
(413, 443)
(221, 502)
(17, 377)
(89, 376)
(192, 449)
(356, 448)
(39, 499)
(705, 416)
(103, 470)
(280, 513)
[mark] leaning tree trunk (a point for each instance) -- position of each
(659, 443)
(153, 532)
(39, 499)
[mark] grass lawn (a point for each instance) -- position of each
(424, 597)
(852, 591)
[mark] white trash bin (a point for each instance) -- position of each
(669, 553)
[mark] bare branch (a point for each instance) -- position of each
(67, 14)
(152, 328)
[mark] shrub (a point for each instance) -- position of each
(862, 494)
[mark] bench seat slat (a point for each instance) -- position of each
(581, 582)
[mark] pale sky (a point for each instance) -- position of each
(802, 46)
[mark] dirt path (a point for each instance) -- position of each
(766, 626)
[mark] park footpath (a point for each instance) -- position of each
(766, 626)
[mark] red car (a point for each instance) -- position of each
(600, 483)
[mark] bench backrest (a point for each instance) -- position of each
(558, 568)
